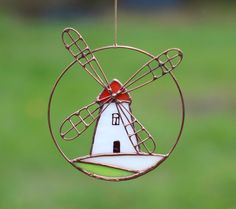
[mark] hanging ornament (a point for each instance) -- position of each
(121, 148)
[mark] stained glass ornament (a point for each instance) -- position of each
(121, 147)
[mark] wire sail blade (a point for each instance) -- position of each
(155, 69)
(81, 52)
(136, 130)
(77, 123)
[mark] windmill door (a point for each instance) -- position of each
(116, 147)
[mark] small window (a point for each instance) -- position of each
(116, 147)
(115, 119)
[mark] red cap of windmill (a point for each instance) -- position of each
(113, 91)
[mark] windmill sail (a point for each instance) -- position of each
(155, 69)
(81, 52)
(136, 131)
(80, 121)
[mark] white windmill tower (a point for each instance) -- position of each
(120, 140)
(111, 135)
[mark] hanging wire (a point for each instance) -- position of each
(116, 21)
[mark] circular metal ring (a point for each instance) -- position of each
(102, 49)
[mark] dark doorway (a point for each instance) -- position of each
(116, 147)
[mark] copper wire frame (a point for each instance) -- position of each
(156, 67)
(166, 156)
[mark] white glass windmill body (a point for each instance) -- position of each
(112, 130)
(120, 140)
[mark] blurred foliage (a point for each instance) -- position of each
(201, 173)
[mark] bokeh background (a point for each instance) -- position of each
(202, 171)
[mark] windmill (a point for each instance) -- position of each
(120, 141)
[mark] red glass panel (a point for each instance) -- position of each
(116, 86)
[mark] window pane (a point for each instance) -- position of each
(115, 119)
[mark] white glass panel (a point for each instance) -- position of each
(132, 162)
(106, 133)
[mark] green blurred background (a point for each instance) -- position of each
(200, 174)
